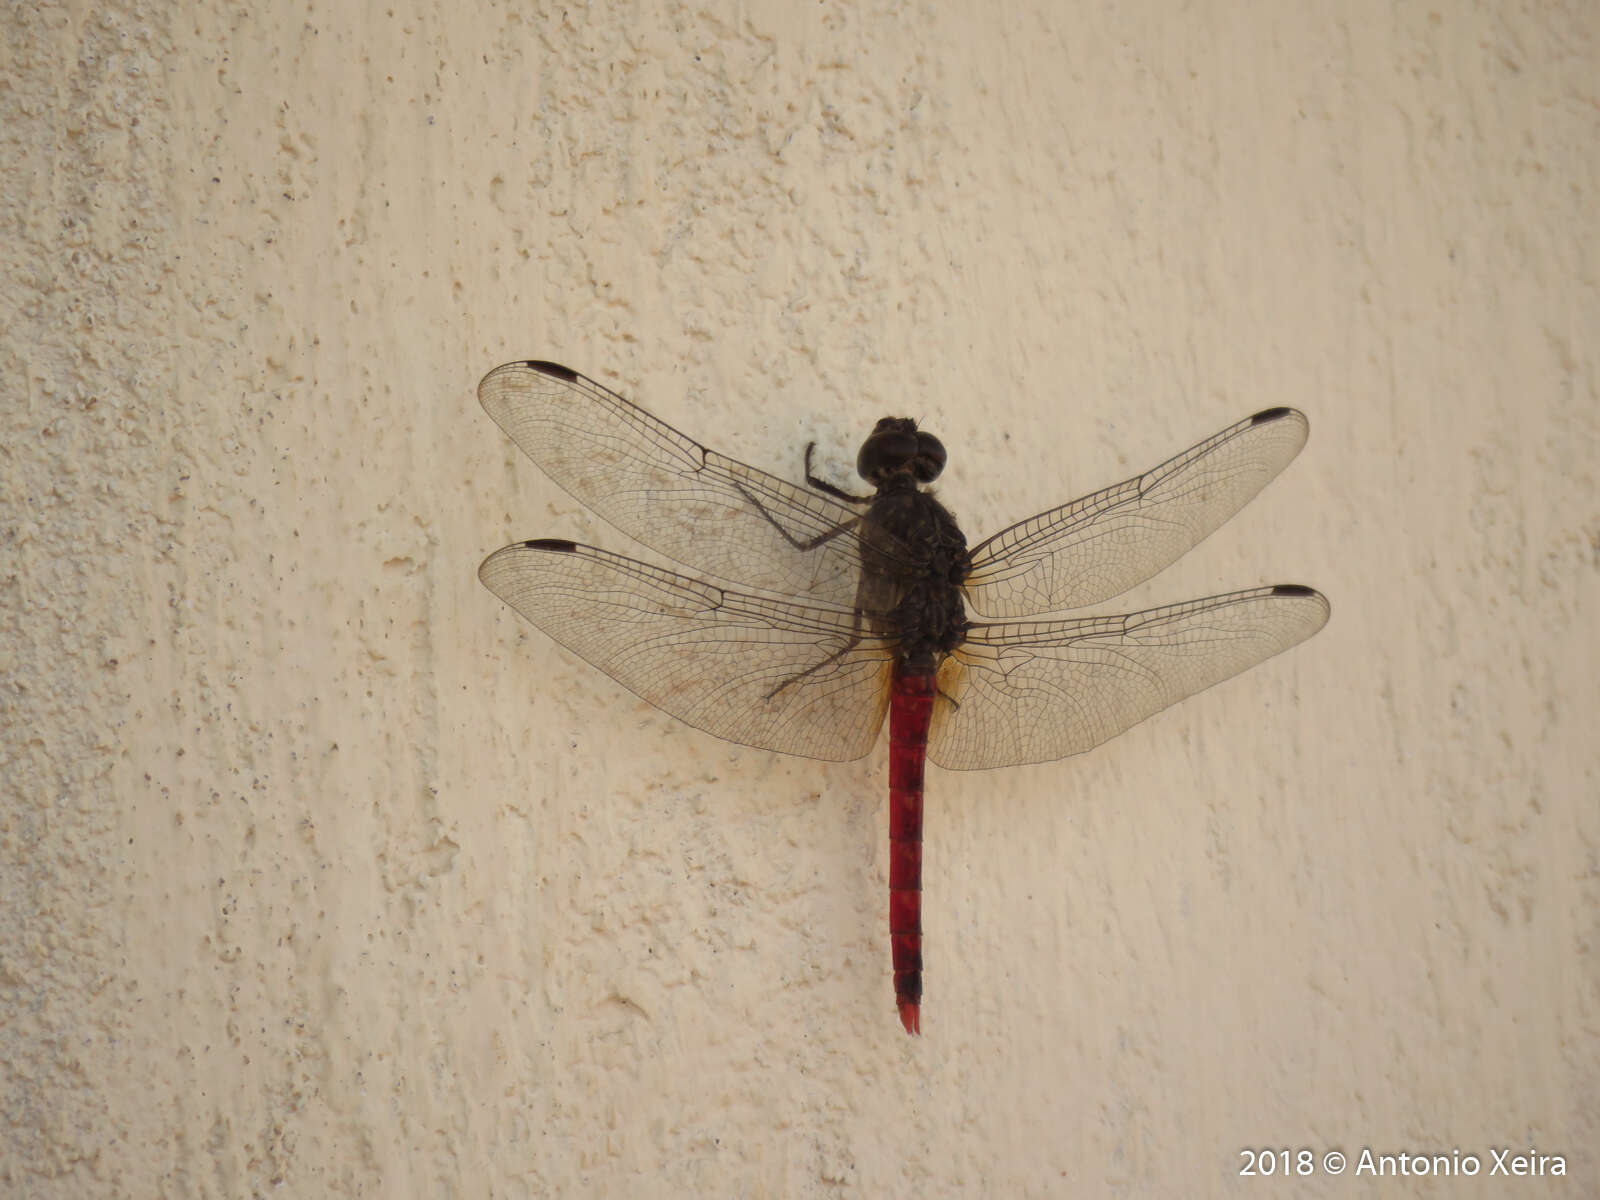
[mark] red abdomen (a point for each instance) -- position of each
(910, 711)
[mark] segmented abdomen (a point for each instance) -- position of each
(910, 711)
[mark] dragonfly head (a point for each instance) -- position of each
(895, 447)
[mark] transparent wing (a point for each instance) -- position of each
(757, 671)
(694, 505)
(1032, 691)
(1105, 543)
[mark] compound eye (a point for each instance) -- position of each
(885, 452)
(930, 458)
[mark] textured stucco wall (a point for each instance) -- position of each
(320, 874)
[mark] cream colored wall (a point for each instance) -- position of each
(322, 875)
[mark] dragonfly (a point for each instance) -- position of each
(834, 608)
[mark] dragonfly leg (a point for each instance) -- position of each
(797, 543)
(832, 658)
(822, 485)
(855, 640)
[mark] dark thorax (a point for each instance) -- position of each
(920, 595)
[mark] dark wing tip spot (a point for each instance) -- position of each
(556, 370)
(1293, 589)
(1270, 414)
(554, 545)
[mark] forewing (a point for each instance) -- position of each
(1032, 691)
(696, 506)
(757, 671)
(1105, 543)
